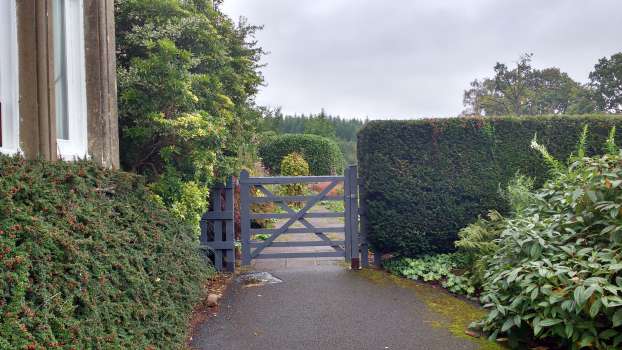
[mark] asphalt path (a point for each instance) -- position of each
(324, 306)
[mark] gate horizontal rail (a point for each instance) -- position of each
(299, 255)
(276, 180)
(292, 199)
(291, 215)
(272, 231)
(301, 244)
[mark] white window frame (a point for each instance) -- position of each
(9, 79)
(76, 146)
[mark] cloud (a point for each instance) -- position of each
(414, 58)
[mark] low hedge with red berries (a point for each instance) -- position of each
(88, 260)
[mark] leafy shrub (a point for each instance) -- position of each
(424, 180)
(322, 154)
(459, 284)
(478, 240)
(89, 260)
(557, 272)
(436, 268)
(294, 164)
(187, 77)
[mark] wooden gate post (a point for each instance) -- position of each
(245, 217)
(352, 222)
(347, 215)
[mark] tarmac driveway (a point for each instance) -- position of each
(323, 305)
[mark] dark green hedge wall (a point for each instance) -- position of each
(322, 154)
(88, 260)
(423, 180)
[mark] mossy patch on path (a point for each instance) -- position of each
(450, 312)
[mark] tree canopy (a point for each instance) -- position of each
(524, 90)
(606, 80)
(187, 79)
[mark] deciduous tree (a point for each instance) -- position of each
(524, 90)
(606, 79)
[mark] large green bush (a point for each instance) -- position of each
(322, 154)
(187, 76)
(557, 270)
(88, 260)
(424, 180)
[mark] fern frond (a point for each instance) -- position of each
(582, 142)
(610, 144)
(554, 165)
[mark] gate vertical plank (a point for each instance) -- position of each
(353, 222)
(204, 226)
(230, 224)
(347, 217)
(245, 217)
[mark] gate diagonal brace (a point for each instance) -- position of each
(307, 224)
(300, 214)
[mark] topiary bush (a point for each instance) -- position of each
(88, 260)
(294, 164)
(322, 154)
(557, 271)
(424, 180)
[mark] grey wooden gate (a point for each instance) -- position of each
(217, 227)
(254, 249)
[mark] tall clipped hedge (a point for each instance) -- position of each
(322, 154)
(423, 180)
(88, 260)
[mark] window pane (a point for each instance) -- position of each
(9, 121)
(60, 68)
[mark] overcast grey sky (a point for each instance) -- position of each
(414, 58)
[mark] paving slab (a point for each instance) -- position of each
(324, 307)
